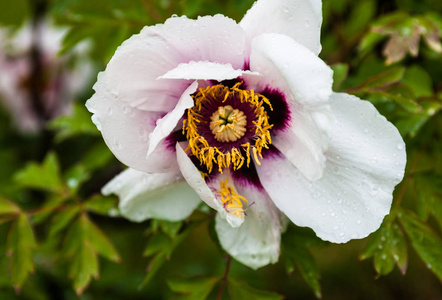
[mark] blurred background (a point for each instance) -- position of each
(60, 239)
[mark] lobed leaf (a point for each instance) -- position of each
(83, 242)
(8, 207)
(196, 288)
(426, 243)
(45, 176)
(240, 290)
(20, 247)
(388, 247)
(103, 205)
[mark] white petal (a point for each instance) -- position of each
(291, 68)
(206, 193)
(299, 19)
(126, 130)
(166, 124)
(144, 196)
(304, 144)
(133, 71)
(204, 70)
(256, 242)
(365, 161)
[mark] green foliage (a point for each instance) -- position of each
(14, 14)
(296, 242)
(162, 244)
(84, 242)
(45, 176)
(426, 243)
(197, 288)
(238, 290)
(388, 247)
(20, 248)
(76, 123)
(7, 207)
(55, 223)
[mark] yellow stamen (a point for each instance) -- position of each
(227, 124)
(231, 200)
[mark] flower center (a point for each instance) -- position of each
(228, 124)
(227, 127)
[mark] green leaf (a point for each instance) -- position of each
(162, 246)
(84, 266)
(8, 207)
(295, 243)
(78, 122)
(340, 73)
(75, 177)
(46, 210)
(380, 81)
(62, 219)
(388, 247)
(426, 243)
(20, 248)
(170, 228)
(96, 157)
(239, 290)
(196, 288)
(103, 205)
(402, 95)
(419, 81)
(308, 268)
(84, 240)
(45, 176)
(14, 13)
(411, 124)
(429, 192)
(159, 243)
(99, 242)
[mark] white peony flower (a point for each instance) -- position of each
(245, 114)
(36, 84)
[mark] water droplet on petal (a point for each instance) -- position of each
(400, 146)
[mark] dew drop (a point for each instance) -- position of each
(125, 109)
(335, 227)
(358, 222)
(332, 214)
(400, 146)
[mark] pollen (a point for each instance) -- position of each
(232, 202)
(238, 126)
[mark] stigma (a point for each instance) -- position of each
(228, 124)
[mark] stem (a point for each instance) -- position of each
(224, 280)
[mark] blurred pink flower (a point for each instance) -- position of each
(243, 117)
(36, 84)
